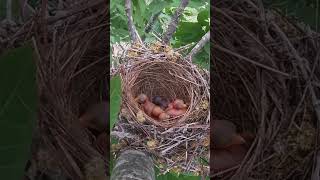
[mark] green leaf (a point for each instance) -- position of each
(17, 110)
(158, 5)
(203, 18)
(188, 32)
(115, 99)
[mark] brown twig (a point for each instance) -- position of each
(174, 22)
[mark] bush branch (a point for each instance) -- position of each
(199, 46)
(174, 21)
(134, 36)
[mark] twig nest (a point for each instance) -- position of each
(164, 78)
(157, 84)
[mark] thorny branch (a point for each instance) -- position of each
(174, 21)
(134, 36)
(198, 46)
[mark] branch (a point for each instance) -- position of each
(151, 22)
(9, 10)
(199, 46)
(134, 36)
(174, 21)
(133, 164)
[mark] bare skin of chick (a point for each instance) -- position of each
(96, 117)
(224, 134)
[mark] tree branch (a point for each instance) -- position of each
(199, 46)
(133, 164)
(9, 10)
(174, 21)
(151, 22)
(134, 36)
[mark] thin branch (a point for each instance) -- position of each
(134, 36)
(151, 22)
(203, 41)
(174, 21)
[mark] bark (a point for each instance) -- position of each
(134, 36)
(199, 46)
(174, 21)
(133, 164)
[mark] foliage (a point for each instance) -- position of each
(17, 110)
(194, 23)
(115, 99)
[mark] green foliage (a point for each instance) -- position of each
(194, 23)
(17, 110)
(115, 99)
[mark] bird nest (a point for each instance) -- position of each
(176, 142)
(263, 63)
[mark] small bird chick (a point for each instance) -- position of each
(227, 158)
(96, 117)
(179, 104)
(163, 116)
(224, 134)
(176, 112)
(161, 101)
(142, 98)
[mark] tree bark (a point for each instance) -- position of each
(199, 46)
(133, 164)
(174, 21)
(134, 36)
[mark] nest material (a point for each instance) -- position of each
(71, 51)
(175, 142)
(263, 63)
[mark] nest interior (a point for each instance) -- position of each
(161, 79)
(262, 64)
